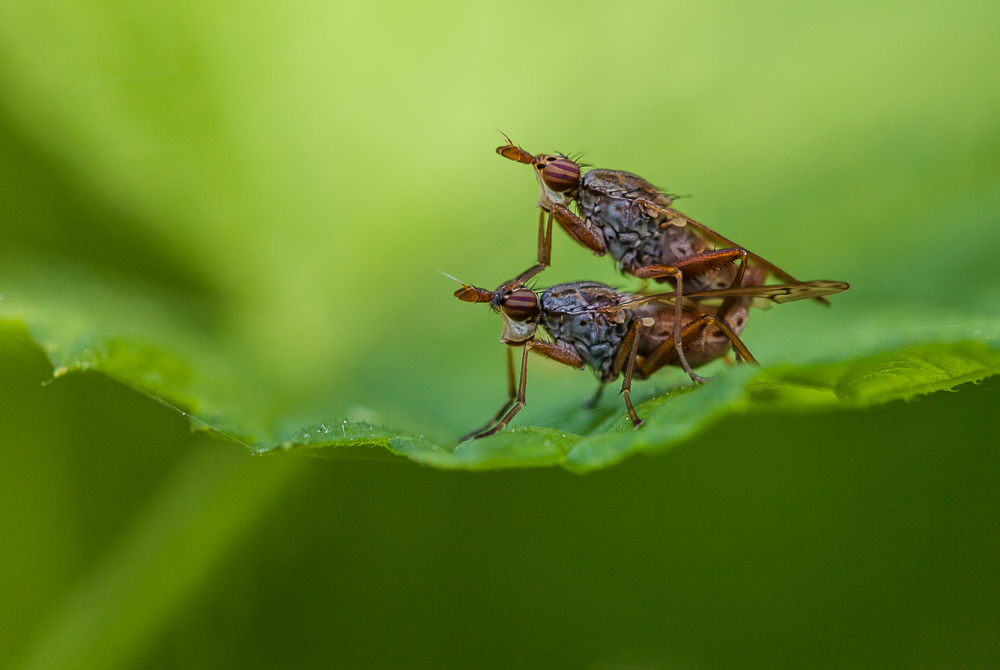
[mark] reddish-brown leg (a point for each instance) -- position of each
(544, 253)
(594, 399)
(511, 386)
(741, 349)
(544, 239)
(722, 315)
(511, 397)
(730, 301)
(578, 230)
(655, 272)
(666, 352)
(626, 356)
(708, 261)
(693, 265)
(556, 353)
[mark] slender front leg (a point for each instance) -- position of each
(576, 229)
(556, 353)
(511, 386)
(511, 396)
(544, 253)
(545, 239)
(596, 398)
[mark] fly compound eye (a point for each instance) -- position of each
(561, 174)
(521, 305)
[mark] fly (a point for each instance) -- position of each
(626, 217)
(613, 333)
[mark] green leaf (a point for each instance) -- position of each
(240, 210)
(133, 338)
(251, 232)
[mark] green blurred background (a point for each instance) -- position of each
(285, 180)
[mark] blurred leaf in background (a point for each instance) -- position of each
(240, 210)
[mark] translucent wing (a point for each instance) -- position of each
(777, 293)
(719, 239)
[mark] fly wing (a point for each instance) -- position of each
(721, 240)
(776, 293)
(592, 297)
(763, 262)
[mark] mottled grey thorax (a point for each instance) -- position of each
(568, 316)
(636, 235)
(607, 203)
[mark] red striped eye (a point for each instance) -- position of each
(521, 305)
(561, 174)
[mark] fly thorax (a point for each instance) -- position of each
(592, 335)
(631, 229)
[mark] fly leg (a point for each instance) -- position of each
(511, 387)
(544, 239)
(741, 349)
(576, 229)
(655, 272)
(592, 402)
(730, 301)
(556, 353)
(666, 352)
(579, 230)
(693, 265)
(544, 253)
(626, 358)
(511, 397)
(722, 314)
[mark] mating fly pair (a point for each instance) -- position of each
(613, 332)
(626, 217)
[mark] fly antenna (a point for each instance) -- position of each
(442, 272)
(470, 293)
(512, 152)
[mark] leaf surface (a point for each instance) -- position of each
(136, 339)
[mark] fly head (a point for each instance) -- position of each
(520, 311)
(558, 178)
